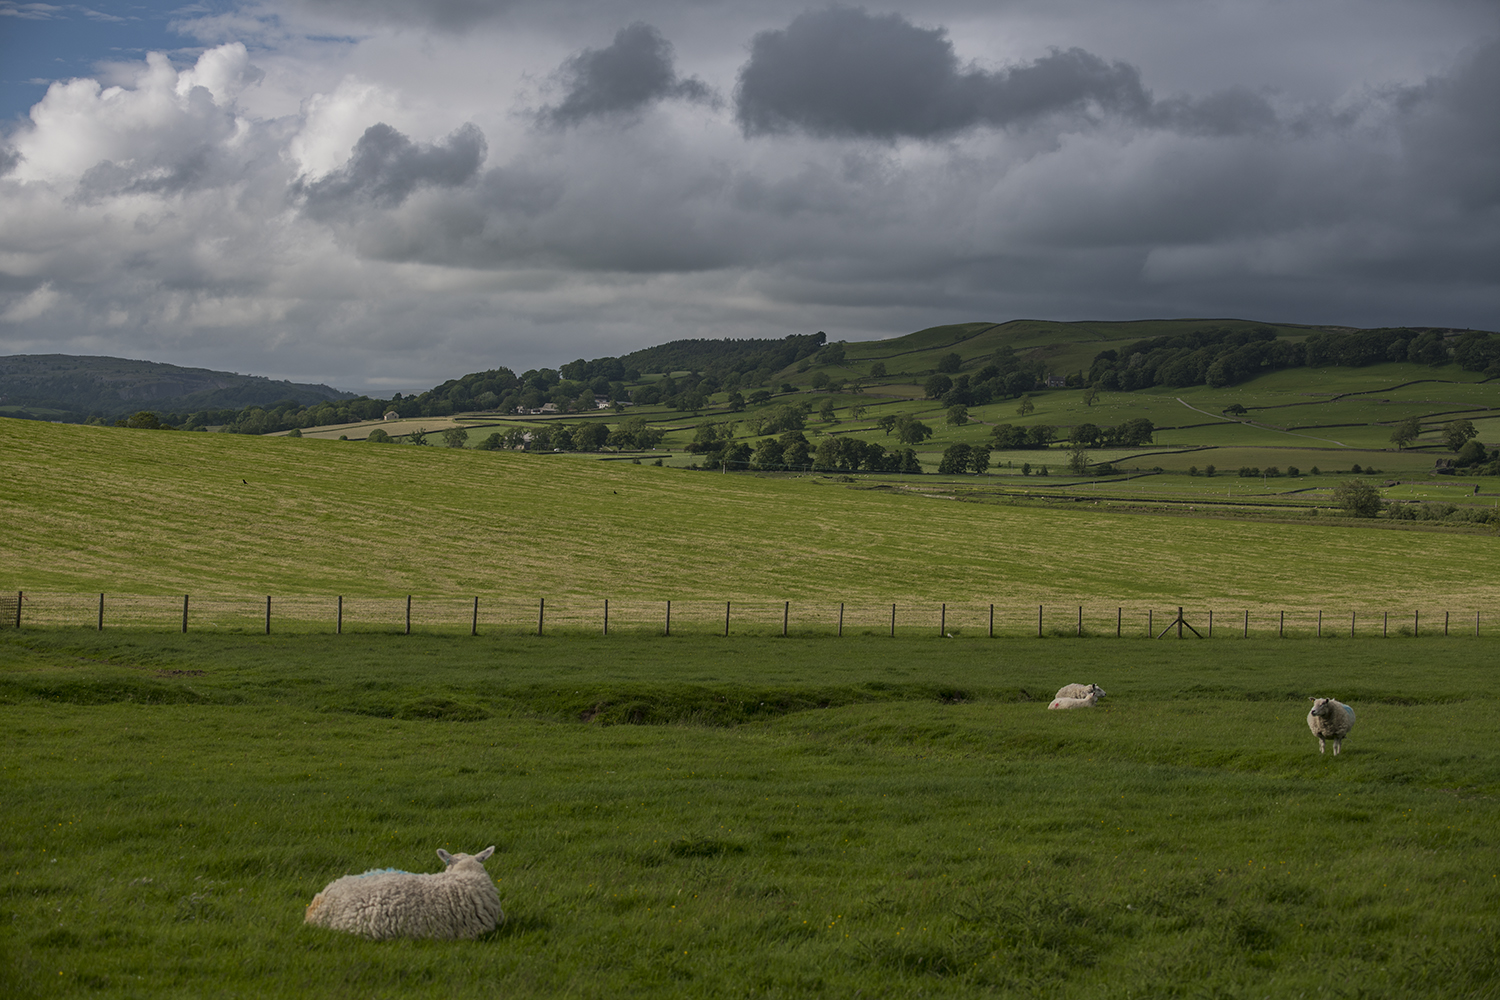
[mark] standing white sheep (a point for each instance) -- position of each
(1079, 691)
(1085, 702)
(1330, 720)
(460, 902)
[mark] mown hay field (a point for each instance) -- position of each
(151, 512)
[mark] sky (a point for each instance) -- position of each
(384, 194)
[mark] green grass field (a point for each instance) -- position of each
(751, 817)
(147, 512)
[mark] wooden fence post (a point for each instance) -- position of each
(1281, 631)
(1080, 621)
(1150, 622)
(541, 613)
(943, 620)
(1352, 616)
(1445, 623)
(786, 617)
(992, 621)
(1210, 623)
(1119, 621)
(893, 621)
(474, 628)
(669, 619)
(21, 594)
(726, 617)
(1416, 622)
(1038, 621)
(1385, 629)
(340, 627)
(184, 613)
(1320, 624)
(1247, 623)
(841, 619)
(268, 614)
(101, 612)
(606, 616)
(408, 614)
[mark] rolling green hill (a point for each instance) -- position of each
(65, 387)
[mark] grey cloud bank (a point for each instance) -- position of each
(513, 192)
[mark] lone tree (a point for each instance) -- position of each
(1357, 497)
(454, 437)
(1406, 432)
(1456, 433)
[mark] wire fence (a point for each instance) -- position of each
(301, 613)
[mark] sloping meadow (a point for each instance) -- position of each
(707, 816)
(127, 511)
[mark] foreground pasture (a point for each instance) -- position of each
(751, 817)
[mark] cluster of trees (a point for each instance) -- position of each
(755, 361)
(848, 454)
(1004, 376)
(1218, 356)
(1368, 347)
(908, 429)
(961, 458)
(1213, 356)
(1130, 434)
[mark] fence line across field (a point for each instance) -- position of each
(542, 616)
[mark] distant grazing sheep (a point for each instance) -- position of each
(1085, 702)
(1080, 691)
(460, 902)
(1330, 720)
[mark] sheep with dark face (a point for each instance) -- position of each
(1080, 691)
(1330, 720)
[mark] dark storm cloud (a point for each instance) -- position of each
(843, 72)
(1452, 132)
(386, 167)
(632, 72)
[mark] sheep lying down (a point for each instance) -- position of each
(460, 902)
(1084, 702)
(1330, 720)
(1079, 691)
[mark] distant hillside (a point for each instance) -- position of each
(61, 386)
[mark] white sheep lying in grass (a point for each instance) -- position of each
(1080, 691)
(1330, 720)
(1084, 702)
(460, 902)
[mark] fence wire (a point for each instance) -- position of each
(306, 613)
